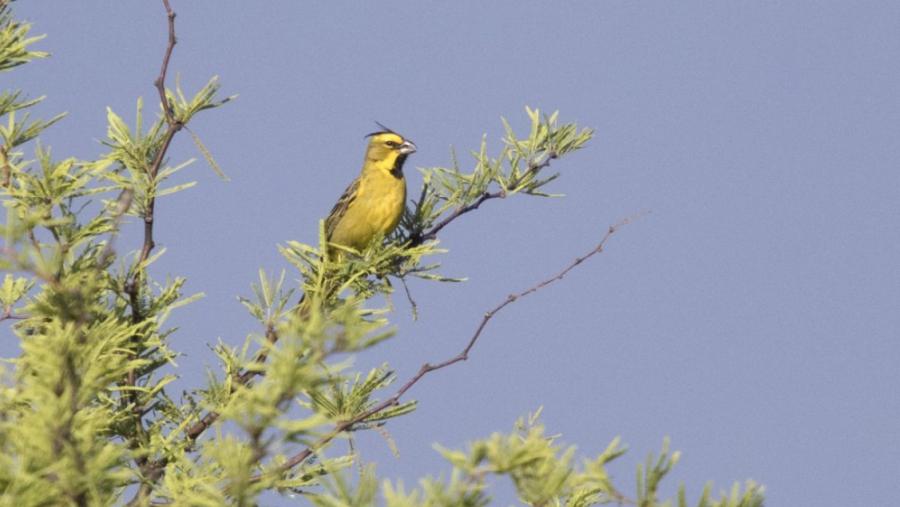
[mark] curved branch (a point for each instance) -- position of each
(458, 212)
(427, 368)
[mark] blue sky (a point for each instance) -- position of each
(752, 316)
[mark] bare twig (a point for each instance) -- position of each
(427, 368)
(174, 125)
(412, 302)
(160, 82)
(458, 212)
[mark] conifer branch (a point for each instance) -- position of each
(427, 368)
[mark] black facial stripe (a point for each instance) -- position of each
(397, 170)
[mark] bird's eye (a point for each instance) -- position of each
(391, 144)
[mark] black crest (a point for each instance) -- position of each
(383, 130)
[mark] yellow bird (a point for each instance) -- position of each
(373, 204)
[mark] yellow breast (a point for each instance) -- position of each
(375, 211)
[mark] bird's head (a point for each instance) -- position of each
(387, 151)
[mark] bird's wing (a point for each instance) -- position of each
(340, 208)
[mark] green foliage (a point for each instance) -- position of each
(346, 400)
(14, 42)
(87, 416)
(459, 491)
(517, 168)
(12, 291)
(543, 472)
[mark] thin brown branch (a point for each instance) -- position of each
(133, 287)
(9, 315)
(174, 125)
(427, 368)
(462, 210)
(160, 82)
(244, 378)
(458, 212)
(412, 302)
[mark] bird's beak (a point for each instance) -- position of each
(407, 147)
